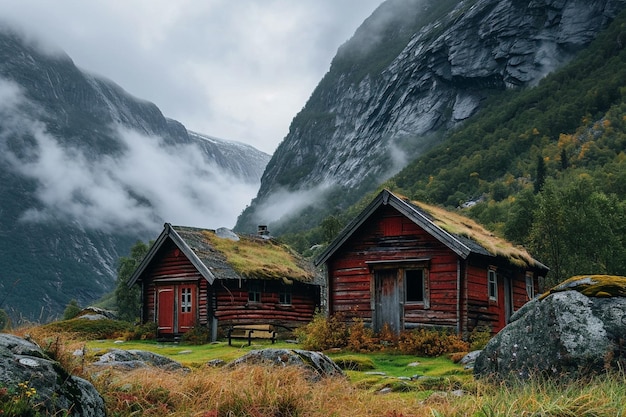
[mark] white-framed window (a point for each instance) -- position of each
(415, 289)
(185, 300)
(530, 287)
(492, 285)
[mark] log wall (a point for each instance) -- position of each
(227, 300)
(389, 236)
(233, 307)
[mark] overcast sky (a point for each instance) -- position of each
(235, 69)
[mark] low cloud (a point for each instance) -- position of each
(282, 204)
(148, 184)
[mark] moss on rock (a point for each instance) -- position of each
(592, 286)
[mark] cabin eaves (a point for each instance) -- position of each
(463, 246)
(191, 253)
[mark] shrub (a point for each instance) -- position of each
(479, 337)
(72, 310)
(324, 333)
(147, 331)
(423, 342)
(198, 335)
(361, 338)
(388, 337)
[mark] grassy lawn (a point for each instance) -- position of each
(192, 356)
(371, 371)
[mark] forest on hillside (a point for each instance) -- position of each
(544, 167)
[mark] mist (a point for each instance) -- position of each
(149, 184)
(282, 204)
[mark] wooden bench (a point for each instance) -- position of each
(251, 331)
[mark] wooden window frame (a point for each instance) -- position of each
(530, 285)
(285, 296)
(403, 265)
(492, 284)
(406, 272)
(254, 293)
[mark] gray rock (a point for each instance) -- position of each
(317, 364)
(97, 313)
(22, 361)
(469, 359)
(564, 335)
(226, 233)
(132, 359)
(215, 363)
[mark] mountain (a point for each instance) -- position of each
(413, 72)
(86, 170)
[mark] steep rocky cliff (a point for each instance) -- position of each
(86, 169)
(413, 70)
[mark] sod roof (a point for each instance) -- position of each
(252, 257)
(237, 257)
(462, 235)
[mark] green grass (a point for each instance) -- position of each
(406, 373)
(370, 371)
(192, 356)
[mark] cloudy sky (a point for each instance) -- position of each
(234, 69)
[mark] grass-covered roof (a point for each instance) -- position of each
(251, 257)
(461, 226)
(461, 234)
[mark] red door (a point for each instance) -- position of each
(186, 307)
(176, 308)
(165, 310)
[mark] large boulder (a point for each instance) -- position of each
(23, 362)
(576, 329)
(316, 364)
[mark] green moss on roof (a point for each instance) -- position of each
(259, 258)
(592, 286)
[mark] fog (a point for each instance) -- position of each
(282, 203)
(149, 184)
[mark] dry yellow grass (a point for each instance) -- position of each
(246, 391)
(262, 391)
(460, 225)
(285, 392)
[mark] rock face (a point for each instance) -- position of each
(24, 362)
(316, 364)
(414, 69)
(563, 334)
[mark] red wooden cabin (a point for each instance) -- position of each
(407, 265)
(192, 277)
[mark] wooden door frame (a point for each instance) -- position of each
(399, 288)
(176, 289)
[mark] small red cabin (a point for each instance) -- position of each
(197, 277)
(406, 264)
